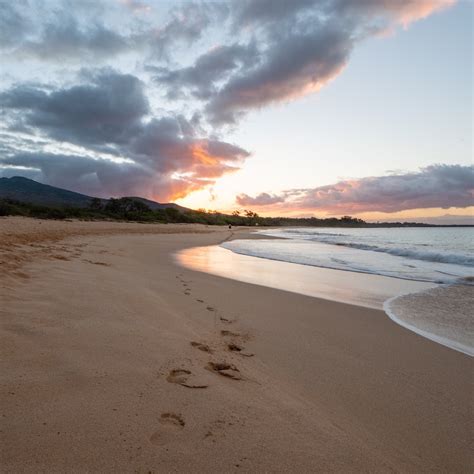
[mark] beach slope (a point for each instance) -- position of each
(115, 359)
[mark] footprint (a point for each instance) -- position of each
(225, 369)
(224, 332)
(201, 347)
(225, 320)
(172, 424)
(172, 419)
(210, 308)
(97, 263)
(185, 378)
(236, 348)
(200, 301)
(60, 257)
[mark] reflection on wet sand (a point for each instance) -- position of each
(349, 287)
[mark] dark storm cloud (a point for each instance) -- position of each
(434, 186)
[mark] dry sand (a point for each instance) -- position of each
(114, 359)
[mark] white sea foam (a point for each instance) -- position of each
(442, 314)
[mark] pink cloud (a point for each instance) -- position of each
(441, 186)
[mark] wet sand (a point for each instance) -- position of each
(116, 359)
(360, 289)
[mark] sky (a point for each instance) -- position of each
(302, 108)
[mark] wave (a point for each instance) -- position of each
(387, 246)
(337, 264)
(426, 255)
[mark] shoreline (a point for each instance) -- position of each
(352, 287)
(440, 339)
(106, 343)
(340, 285)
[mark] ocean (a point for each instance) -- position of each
(443, 257)
(433, 254)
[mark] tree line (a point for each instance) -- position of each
(133, 210)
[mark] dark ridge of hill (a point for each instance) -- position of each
(153, 205)
(29, 191)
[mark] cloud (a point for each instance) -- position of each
(69, 32)
(158, 157)
(13, 25)
(402, 11)
(177, 167)
(187, 24)
(295, 47)
(106, 109)
(136, 6)
(65, 39)
(210, 68)
(434, 186)
(100, 134)
(165, 147)
(262, 199)
(305, 44)
(264, 12)
(76, 31)
(309, 61)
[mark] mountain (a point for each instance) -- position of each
(158, 205)
(30, 191)
(27, 190)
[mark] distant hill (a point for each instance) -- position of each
(26, 190)
(30, 191)
(153, 205)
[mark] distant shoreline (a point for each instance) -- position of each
(25, 197)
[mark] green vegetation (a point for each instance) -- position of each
(129, 209)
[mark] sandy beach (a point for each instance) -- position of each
(116, 359)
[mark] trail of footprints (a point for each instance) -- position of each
(230, 341)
